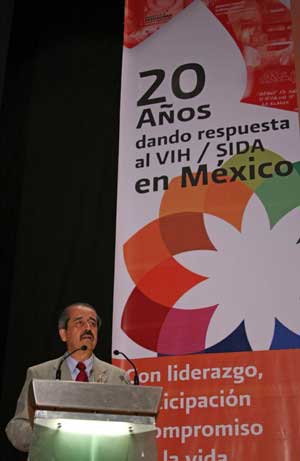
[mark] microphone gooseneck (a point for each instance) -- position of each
(58, 371)
(136, 379)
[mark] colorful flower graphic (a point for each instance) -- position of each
(217, 271)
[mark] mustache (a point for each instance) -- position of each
(87, 333)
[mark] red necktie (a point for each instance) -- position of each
(82, 376)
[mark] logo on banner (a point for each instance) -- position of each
(213, 272)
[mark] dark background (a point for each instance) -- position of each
(60, 72)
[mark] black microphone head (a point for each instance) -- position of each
(83, 347)
(116, 352)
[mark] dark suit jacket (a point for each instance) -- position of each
(19, 430)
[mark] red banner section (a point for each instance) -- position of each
(144, 17)
(217, 407)
(263, 32)
(261, 29)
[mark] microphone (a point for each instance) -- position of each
(136, 379)
(58, 371)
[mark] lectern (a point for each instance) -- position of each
(74, 421)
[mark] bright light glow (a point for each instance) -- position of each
(93, 427)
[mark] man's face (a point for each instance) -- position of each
(81, 329)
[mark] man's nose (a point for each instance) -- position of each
(88, 323)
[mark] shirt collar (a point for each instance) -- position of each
(72, 363)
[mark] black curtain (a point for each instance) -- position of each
(59, 145)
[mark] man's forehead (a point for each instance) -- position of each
(81, 312)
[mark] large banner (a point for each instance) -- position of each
(207, 298)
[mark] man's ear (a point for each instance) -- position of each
(63, 334)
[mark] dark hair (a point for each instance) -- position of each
(64, 315)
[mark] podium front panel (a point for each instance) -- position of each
(65, 436)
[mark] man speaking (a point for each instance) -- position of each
(78, 327)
